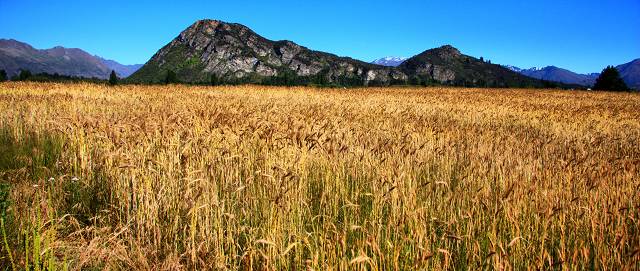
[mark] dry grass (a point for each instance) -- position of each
(248, 177)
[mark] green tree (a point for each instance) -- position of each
(3, 75)
(171, 77)
(415, 80)
(215, 80)
(113, 78)
(610, 79)
(24, 75)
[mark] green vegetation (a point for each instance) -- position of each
(610, 79)
(46, 77)
(180, 61)
(171, 77)
(113, 78)
(25, 162)
(215, 80)
(23, 75)
(3, 76)
(35, 197)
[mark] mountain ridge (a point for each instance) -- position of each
(234, 53)
(446, 64)
(244, 56)
(216, 51)
(16, 55)
(556, 74)
(629, 72)
(122, 70)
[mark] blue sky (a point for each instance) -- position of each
(583, 36)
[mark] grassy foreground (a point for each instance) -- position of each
(253, 177)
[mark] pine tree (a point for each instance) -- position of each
(610, 79)
(113, 78)
(3, 75)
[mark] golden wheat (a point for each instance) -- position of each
(252, 177)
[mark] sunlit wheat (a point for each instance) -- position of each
(252, 177)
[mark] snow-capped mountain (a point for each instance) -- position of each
(520, 70)
(391, 61)
(513, 68)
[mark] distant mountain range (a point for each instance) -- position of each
(16, 55)
(630, 73)
(552, 73)
(121, 69)
(212, 50)
(390, 61)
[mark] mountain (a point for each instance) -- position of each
(212, 51)
(630, 73)
(447, 65)
(121, 70)
(390, 61)
(552, 73)
(16, 55)
(233, 53)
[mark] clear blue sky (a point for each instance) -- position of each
(583, 36)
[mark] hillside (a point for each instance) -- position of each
(233, 53)
(16, 55)
(212, 51)
(447, 65)
(630, 73)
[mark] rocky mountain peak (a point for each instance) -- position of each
(11, 43)
(212, 50)
(448, 51)
(233, 52)
(214, 28)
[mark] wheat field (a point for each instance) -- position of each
(272, 178)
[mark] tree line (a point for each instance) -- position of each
(609, 80)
